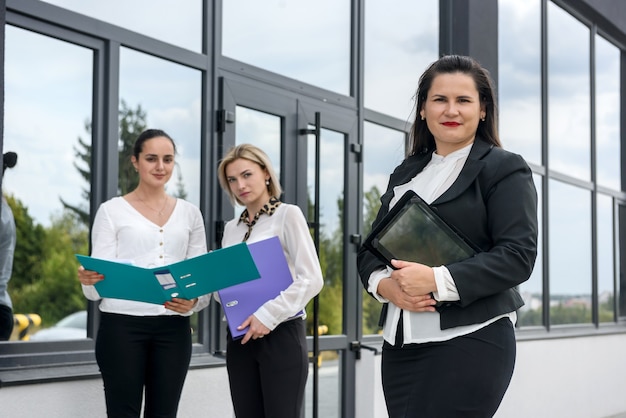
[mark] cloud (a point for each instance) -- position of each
(180, 25)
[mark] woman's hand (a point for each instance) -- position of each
(257, 329)
(410, 287)
(391, 290)
(413, 278)
(88, 277)
(181, 305)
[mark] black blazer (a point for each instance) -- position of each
(493, 203)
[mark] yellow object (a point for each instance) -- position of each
(24, 323)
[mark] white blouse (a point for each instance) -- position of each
(290, 226)
(120, 232)
(421, 327)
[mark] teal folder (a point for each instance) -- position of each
(185, 279)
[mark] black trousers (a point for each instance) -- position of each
(268, 376)
(463, 377)
(6, 322)
(137, 352)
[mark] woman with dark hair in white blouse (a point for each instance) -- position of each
(143, 346)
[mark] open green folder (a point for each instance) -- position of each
(185, 279)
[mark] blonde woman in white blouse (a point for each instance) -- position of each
(268, 367)
(143, 346)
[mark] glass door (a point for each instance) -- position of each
(311, 146)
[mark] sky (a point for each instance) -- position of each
(48, 92)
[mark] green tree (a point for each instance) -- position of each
(57, 292)
(371, 205)
(29, 248)
(132, 123)
(530, 317)
(180, 185)
(331, 262)
(371, 307)
(44, 268)
(83, 154)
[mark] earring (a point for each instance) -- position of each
(483, 119)
(267, 182)
(423, 118)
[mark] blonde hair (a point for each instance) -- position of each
(256, 155)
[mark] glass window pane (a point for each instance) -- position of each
(308, 40)
(260, 129)
(401, 40)
(165, 97)
(47, 123)
(607, 113)
(331, 223)
(383, 150)
(519, 88)
(180, 25)
(531, 314)
(329, 389)
(568, 94)
(606, 260)
(570, 254)
(621, 261)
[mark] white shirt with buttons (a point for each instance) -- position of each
(423, 327)
(120, 232)
(290, 226)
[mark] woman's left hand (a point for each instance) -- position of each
(413, 278)
(181, 305)
(257, 329)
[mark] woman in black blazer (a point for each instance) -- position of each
(449, 341)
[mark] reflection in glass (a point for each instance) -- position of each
(606, 260)
(47, 123)
(621, 261)
(568, 94)
(260, 129)
(180, 25)
(519, 84)
(607, 113)
(329, 386)
(570, 254)
(531, 314)
(383, 150)
(401, 40)
(308, 40)
(331, 224)
(155, 93)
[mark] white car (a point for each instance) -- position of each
(72, 327)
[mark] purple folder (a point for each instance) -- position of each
(242, 300)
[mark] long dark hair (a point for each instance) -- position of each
(422, 139)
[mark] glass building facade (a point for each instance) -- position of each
(327, 88)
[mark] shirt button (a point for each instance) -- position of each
(161, 256)
(160, 243)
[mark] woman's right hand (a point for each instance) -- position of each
(391, 290)
(88, 277)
